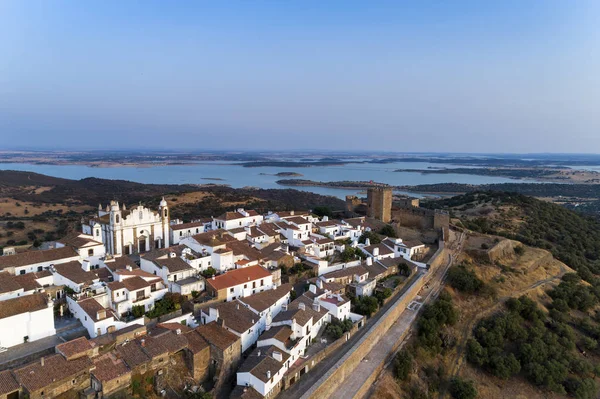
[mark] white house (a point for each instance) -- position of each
(237, 218)
(86, 246)
(406, 249)
(235, 317)
(135, 290)
(377, 251)
(73, 275)
(179, 231)
(263, 369)
(96, 316)
(37, 261)
(240, 283)
(25, 319)
(176, 271)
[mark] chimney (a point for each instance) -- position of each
(268, 374)
(129, 268)
(237, 306)
(278, 356)
(369, 261)
(178, 331)
(259, 352)
(292, 213)
(312, 288)
(301, 306)
(319, 283)
(42, 361)
(172, 254)
(284, 307)
(316, 306)
(376, 251)
(143, 342)
(367, 242)
(213, 277)
(325, 218)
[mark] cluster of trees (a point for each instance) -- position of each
(433, 321)
(373, 237)
(383, 294)
(574, 295)
(169, 303)
(352, 253)
(337, 328)
(523, 340)
(209, 272)
(365, 305)
(388, 231)
(464, 280)
(433, 338)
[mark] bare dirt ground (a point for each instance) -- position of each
(27, 209)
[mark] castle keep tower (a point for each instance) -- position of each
(379, 203)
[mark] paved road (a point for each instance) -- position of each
(311, 378)
(384, 350)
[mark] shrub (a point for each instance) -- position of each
(388, 231)
(464, 280)
(373, 238)
(519, 250)
(366, 305)
(208, 273)
(403, 364)
(462, 389)
(137, 311)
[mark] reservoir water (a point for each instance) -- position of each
(238, 176)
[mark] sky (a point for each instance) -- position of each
(448, 76)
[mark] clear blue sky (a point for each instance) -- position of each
(464, 76)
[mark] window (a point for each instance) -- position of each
(165, 213)
(254, 284)
(22, 272)
(116, 218)
(141, 215)
(85, 317)
(240, 223)
(262, 282)
(197, 231)
(91, 252)
(39, 268)
(245, 286)
(97, 233)
(231, 290)
(181, 234)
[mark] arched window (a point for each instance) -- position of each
(116, 218)
(165, 211)
(141, 215)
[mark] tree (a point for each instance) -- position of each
(462, 389)
(404, 269)
(137, 311)
(373, 238)
(388, 231)
(208, 273)
(321, 211)
(366, 305)
(403, 364)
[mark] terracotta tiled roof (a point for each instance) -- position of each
(242, 248)
(174, 265)
(238, 276)
(216, 335)
(264, 300)
(280, 333)
(135, 283)
(71, 349)
(297, 220)
(190, 225)
(236, 316)
(196, 343)
(79, 240)
(214, 238)
(34, 376)
(33, 257)
(383, 249)
(8, 283)
(8, 383)
(108, 368)
(22, 304)
(349, 271)
(133, 354)
(163, 253)
(261, 361)
(91, 307)
(121, 262)
(237, 215)
(74, 272)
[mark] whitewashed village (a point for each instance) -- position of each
(242, 304)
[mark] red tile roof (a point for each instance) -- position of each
(237, 277)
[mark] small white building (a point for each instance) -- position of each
(37, 261)
(240, 283)
(26, 319)
(179, 231)
(236, 219)
(263, 369)
(175, 270)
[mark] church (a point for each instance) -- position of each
(130, 231)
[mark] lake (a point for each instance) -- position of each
(238, 176)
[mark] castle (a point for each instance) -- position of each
(403, 211)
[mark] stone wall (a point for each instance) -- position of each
(338, 373)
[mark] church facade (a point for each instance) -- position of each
(130, 231)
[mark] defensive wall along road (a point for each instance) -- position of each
(335, 383)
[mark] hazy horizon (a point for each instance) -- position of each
(463, 77)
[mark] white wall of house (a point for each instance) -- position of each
(34, 325)
(38, 267)
(250, 287)
(100, 327)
